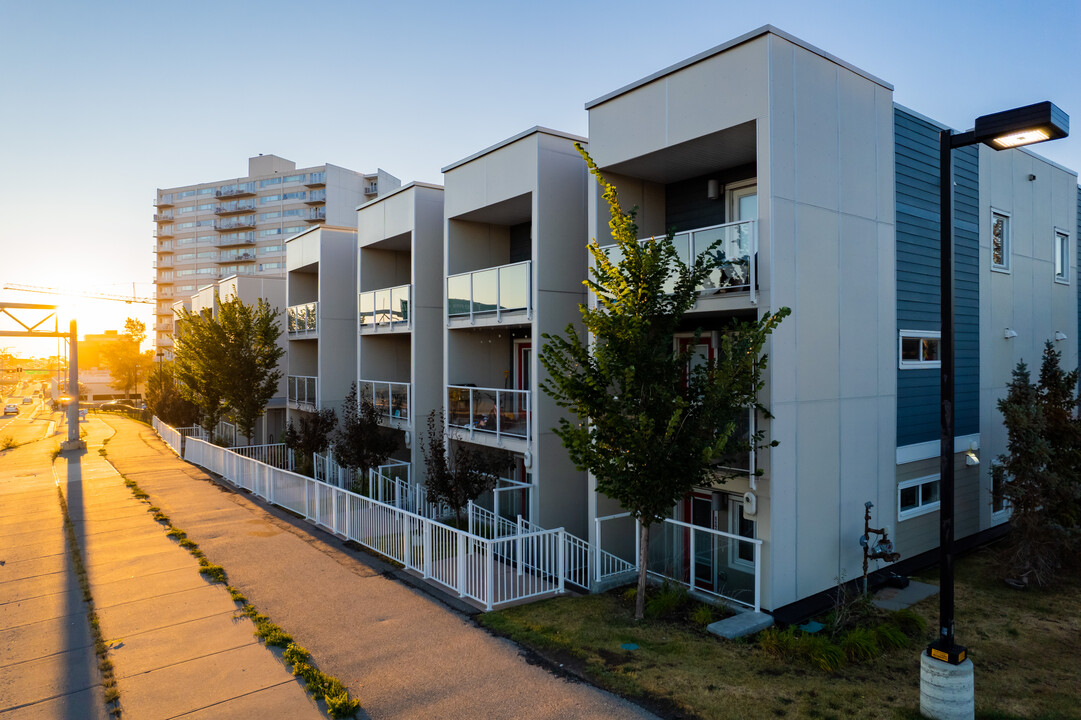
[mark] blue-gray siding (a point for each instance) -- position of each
(918, 277)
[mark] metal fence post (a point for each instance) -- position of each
(426, 540)
(407, 538)
(757, 577)
(469, 508)
(561, 554)
(518, 545)
(489, 574)
(597, 548)
(691, 559)
(461, 563)
(334, 511)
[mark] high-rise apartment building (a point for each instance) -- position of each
(239, 226)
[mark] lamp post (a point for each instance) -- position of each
(946, 686)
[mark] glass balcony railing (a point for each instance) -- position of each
(490, 410)
(235, 223)
(386, 309)
(316, 179)
(390, 399)
(227, 257)
(491, 292)
(163, 217)
(237, 238)
(733, 248)
(317, 214)
(235, 206)
(303, 391)
(303, 318)
(316, 196)
(165, 231)
(236, 190)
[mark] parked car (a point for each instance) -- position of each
(118, 405)
(28, 400)
(11, 408)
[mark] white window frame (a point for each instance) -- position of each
(735, 509)
(921, 508)
(1064, 278)
(1007, 241)
(919, 335)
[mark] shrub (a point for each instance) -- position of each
(818, 650)
(910, 622)
(665, 601)
(702, 615)
(777, 642)
(891, 636)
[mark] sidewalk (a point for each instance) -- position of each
(176, 643)
(48, 668)
(404, 654)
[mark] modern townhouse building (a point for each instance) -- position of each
(515, 259)
(400, 311)
(238, 226)
(824, 195)
(321, 318)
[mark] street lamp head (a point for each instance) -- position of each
(1022, 126)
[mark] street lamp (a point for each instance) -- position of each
(1009, 129)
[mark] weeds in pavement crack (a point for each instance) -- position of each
(320, 685)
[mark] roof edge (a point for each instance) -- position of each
(395, 191)
(515, 138)
(746, 37)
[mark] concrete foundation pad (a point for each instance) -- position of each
(741, 625)
(898, 599)
(947, 691)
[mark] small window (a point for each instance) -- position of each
(919, 349)
(1000, 242)
(1062, 257)
(917, 497)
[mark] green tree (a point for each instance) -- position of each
(252, 356)
(360, 441)
(227, 362)
(127, 365)
(457, 479)
(1040, 477)
(164, 399)
(646, 421)
(309, 436)
(200, 357)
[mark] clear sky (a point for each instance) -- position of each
(103, 102)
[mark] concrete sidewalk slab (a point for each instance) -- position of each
(44, 607)
(146, 586)
(37, 586)
(406, 654)
(41, 639)
(184, 641)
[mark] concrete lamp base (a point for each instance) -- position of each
(72, 446)
(947, 692)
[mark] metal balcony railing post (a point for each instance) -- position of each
(471, 416)
(562, 558)
(461, 563)
(693, 558)
(489, 574)
(498, 294)
(757, 577)
(498, 418)
(753, 255)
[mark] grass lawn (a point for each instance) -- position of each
(1026, 647)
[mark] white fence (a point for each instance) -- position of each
(490, 571)
(171, 436)
(277, 454)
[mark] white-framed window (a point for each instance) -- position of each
(1000, 241)
(1062, 256)
(919, 349)
(740, 554)
(917, 497)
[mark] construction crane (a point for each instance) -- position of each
(77, 293)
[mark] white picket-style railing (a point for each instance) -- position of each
(277, 454)
(171, 436)
(489, 571)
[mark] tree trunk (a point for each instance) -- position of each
(643, 554)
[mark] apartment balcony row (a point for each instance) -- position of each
(316, 197)
(236, 223)
(236, 238)
(491, 415)
(164, 262)
(228, 257)
(236, 206)
(163, 327)
(303, 392)
(491, 295)
(164, 231)
(302, 320)
(315, 215)
(164, 201)
(733, 247)
(318, 179)
(392, 401)
(164, 217)
(386, 310)
(237, 190)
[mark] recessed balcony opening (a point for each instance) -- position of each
(385, 363)
(489, 396)
(386, 295)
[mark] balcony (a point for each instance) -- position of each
(734, 247)
(491, 293)
(491, 412)
(239, 190)
(316, 197)
(163, 327)
(236, 206)
(318, 179)
(303, 392)
(391, 401)
(163, 217)
(164, 201)
(302, 319)
(228, 257)
(240, 238)
(386, 310)
(165, 231)
(164, 262)
(317, 214)
(371, 189)
(237, 223)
